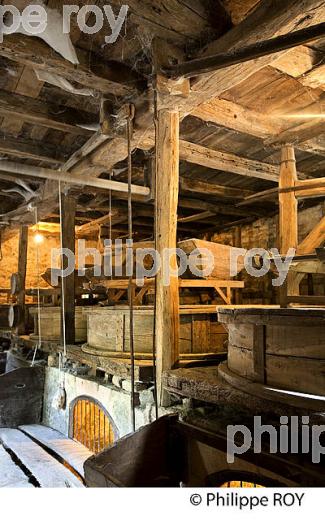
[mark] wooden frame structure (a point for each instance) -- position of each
(290, 191)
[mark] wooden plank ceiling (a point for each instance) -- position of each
(232, 126)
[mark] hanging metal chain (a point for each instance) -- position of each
(130, 233)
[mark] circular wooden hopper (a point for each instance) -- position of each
(279, 348)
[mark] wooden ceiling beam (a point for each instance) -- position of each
(215, 190)
(37, 112)
(288, 15)
(230, 115)
(93, 73)
(226, 162)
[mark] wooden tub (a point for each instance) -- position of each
(51, 323)
(108, 331)
(281, 348)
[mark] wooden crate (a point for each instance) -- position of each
(108, 330)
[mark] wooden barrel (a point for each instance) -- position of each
(108, 331)
(51, 324)
(281, 348)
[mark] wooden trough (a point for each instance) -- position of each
(279, 348)
(222, 256)
(108, 331)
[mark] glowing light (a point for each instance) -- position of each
(38, 238)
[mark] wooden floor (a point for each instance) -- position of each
(38, 456)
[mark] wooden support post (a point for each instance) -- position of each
(167, 297)
(288, 221)
(68, 283)
(22, 268)
(237, 241)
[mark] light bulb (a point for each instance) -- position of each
(38, 238)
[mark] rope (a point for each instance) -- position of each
(39, 343)
(130, 288)
(62, 358)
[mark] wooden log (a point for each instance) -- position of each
(167, 298)
(68, 282)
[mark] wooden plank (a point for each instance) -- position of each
(197, 154)
(47, 471)
(259, 353)
(167, 298)
(71, 451)
(92, 73)
(10, 474)
(68, 282)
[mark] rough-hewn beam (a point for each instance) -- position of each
(49, 115)
(288, 202)
(227, 162)
(236, 117)
(314, 239)
(91, 72)
(68, 282)
(214, 190)
(167, 295)
(275, 16)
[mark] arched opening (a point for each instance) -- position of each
(241, 479)
(91, 425)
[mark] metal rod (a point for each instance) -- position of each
(248, 53)
(69, 178)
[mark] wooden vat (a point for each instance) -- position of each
(221, 256)
(281, 348)
(108, 330)
(51, 323)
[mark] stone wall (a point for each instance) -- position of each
(38, 258)
(9, 258)
(115, 400)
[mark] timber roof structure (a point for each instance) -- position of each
(233, 120)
